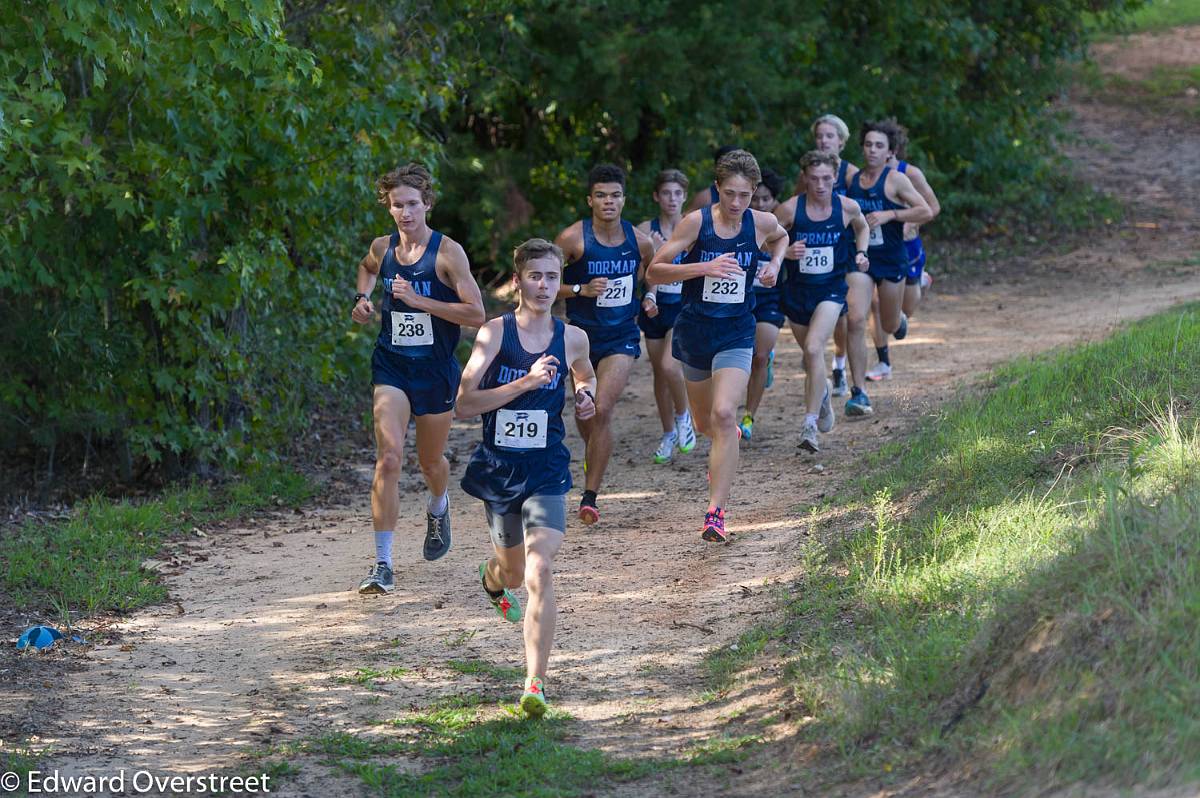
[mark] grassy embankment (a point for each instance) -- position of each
(1021, 586)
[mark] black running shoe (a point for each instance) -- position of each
(379, 582)
(902, 330)
(437, 535)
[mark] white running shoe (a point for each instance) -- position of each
(666, 448)
(825, 417)
(686, 433)
(808, 439)
(882, 371)
(926, 280)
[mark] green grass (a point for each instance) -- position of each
(476, 750)
(1164, 91)
(1022, 581)
(370, 676)
(1161, 14)
(478, 667)
(91, 562)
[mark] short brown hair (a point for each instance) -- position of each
(413, 175)
(533, 249)
(897, 139)
(670, 176)
(818, 158)
(739, 163)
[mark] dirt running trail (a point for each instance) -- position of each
(263, 620)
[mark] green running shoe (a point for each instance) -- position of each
(533, 700)
(506, 604)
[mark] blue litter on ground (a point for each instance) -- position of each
(40, 637)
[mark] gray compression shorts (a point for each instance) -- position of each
(729, 359)
(549, 512)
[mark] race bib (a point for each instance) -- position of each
(521, 429)
(670, 288)
(725, 290)
(877, 236)
(817, 260)
(619, 292)
(411, 329)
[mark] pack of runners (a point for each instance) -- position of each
(709, 290)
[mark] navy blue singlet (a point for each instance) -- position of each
(827, 253)
(709, 297)
(531, 424)
(714, 196)
(887, 244)
(618, 304)
(413, 333)
(667, 293)
(839, 182)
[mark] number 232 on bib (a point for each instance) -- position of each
(724, 290)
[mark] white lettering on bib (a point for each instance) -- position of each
(619, 292)
(725, 290)
(521, 429)
(817, 260)
(411, 329)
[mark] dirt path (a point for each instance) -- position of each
(262, 621)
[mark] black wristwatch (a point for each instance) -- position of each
(359, 297)
(575, 289)
(861, 252)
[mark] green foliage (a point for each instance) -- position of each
(186, 186)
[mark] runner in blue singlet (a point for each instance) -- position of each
(606, 257)
(428, 291)
(708, 195)
(515, 378)
(660, 309)
(830, 134)
(889, 200)
(714, 336)
(829, 237)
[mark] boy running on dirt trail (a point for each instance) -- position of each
(829, 237)
(428, 292)
(660, 309)
(515, 379)
(606, 258)
(714, 336)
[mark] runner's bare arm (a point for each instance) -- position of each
(900, 190)
(472, 400)
(575, 342)
(852, 215)
(921, 184)
(785, 214)
(454, 270)
(368, 272)
(773, 239)
(700, 199)
(570, 241)
(661, 270)
(646, 250)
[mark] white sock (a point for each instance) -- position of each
(810, 418)
(839, 363)
(438, 504)
(383, 547)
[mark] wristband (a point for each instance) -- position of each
(586, 393)
(359, 297)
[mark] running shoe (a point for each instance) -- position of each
(902, 330)
(666, 447)
(839, 382)
(882, 371)
(808, 438)
(714, 527)
(506, 604)
(379, 582)
(533, 700)
(686, 433)
(859, 404)
(770, 370)
(437, 535)
(589, 513)
(825, 419)
(746, 428)
(926, 280)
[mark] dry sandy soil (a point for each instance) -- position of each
(263, 619)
